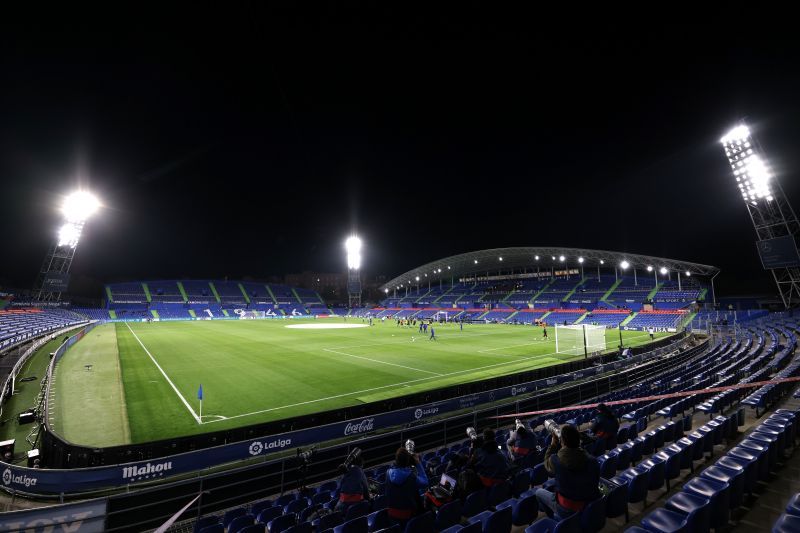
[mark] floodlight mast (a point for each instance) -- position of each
(353, 247)
(769, 209)
(53, 277)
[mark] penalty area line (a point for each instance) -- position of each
(189, 407)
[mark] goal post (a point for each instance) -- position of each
(439, 315)
(580, 339)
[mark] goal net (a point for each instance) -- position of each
(440, 315)
(573, 339)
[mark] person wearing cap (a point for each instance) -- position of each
(576, 476)
(404, 480)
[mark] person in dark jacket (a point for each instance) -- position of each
(404, 480)
(576, 474)
(521, 443)
(353, 486)
(489, 462)
(605, 425)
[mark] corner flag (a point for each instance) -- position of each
(200, 397)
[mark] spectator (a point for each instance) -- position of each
(605, 425)
(403, 482)
(521, 443)
(490, 463)
(353, 487)
(576, 476)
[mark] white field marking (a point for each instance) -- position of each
(319, 325)
(404, 340)
(516, 361)
(405, 383)
(189, 407)
(381, 362)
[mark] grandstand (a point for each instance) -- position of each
(690, 461)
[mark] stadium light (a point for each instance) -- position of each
(561, 258)
(624, 264)
(663, 271)
(554, 258)
(649, 268)
(602, 262)
(77, 208)
(580, 260)
(417, 278)
(353, 247)
(440, 270)
(448, 268)
(688, 274)
(501, 258)
(386, 290)
(476, 261)
(536, 257)
(749, 168)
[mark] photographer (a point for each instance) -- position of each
(576, 474)
(490, 463)
(521, 443)
(353, 486)
(604, 426)
(404, 480)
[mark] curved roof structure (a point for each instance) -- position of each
(505, 259)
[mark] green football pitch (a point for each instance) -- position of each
(137, 382)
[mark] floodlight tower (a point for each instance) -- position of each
(53, 277)
(773, 218)
(353, 247)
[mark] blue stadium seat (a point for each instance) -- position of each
(474, 504)
(666, 521)
(228, 517)
(260, 528)
(269, 514)
(593, 516)
(421, 523)
(356, 510)
(787, 524)
(448, 515)
(240, 522)
(717, 493)
(359, 525)
(617, 499)
(282, 523)
(696, 508)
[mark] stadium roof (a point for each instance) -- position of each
(490, 261)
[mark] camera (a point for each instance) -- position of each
(471, 433)
(553, 428)
(305, 456)
(351, 458)
(410, 446)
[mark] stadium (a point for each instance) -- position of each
(204, 353)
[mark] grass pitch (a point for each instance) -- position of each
(144, 378)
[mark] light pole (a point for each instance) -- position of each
(53, 277)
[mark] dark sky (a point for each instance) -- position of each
(251, 141)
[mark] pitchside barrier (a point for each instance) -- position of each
(149, 468)
(149, 507)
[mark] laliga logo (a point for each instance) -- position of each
(7, 476)
(419, 413)
(256, 448)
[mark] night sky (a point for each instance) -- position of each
(251, 142)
